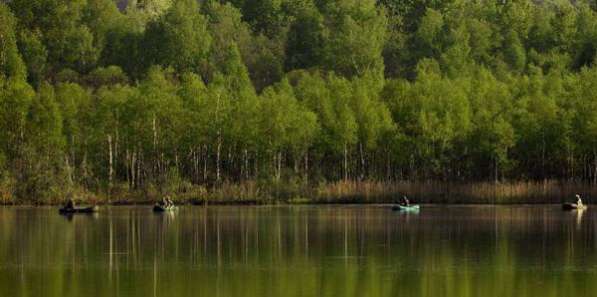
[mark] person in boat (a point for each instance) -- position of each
(70, 203)
(167, 201)
(404, 201)
(578, 200)
(164, 201)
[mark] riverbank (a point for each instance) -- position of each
(348, 192)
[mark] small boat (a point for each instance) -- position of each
(573, 206)
(161, 208)
(414, 207)
(90, 209)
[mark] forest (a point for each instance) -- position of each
(103, 98)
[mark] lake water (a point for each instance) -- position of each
(300, 251)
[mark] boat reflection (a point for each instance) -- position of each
(579, 216)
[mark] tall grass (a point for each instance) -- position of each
(548, 191)
(296, 191)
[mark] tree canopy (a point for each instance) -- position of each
(103, 95)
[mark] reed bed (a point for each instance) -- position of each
(295, 192)
(529, 192)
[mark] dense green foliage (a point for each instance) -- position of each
(167, 95)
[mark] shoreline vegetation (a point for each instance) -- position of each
(351, 192)
(297, 101)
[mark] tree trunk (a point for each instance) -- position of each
(138, 161)
(73, 159)
(362, 155)
(110, 164)
(218, 152)
(247, 164)
(128, 167)
(496, 169)
(230, 162)
(570, 162)
(69, 169)
(219, 139)
(307, 165)
(543, 156)
(243, 167)
(388, 167)
(197, 168)
(256, 165)
(176, 163)
(205, 159)
(345, 163)
(594, 166)
(155, 145)
(116, 149)
(133, 170)
(84, 166)
(279, 166)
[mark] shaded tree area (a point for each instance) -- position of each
(110, 96)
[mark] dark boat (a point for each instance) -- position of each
(573, 206)
(161, 208)
(90, 209)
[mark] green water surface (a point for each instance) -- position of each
(299, 251)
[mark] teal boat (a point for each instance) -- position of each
(413, 207)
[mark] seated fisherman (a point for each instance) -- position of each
(164, 201)
(578, 200)
(70, 203)
(404, 201)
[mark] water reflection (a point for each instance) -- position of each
(70, 216)
(299, 251)
(579, 214)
